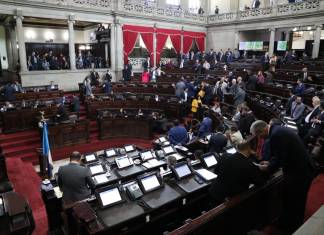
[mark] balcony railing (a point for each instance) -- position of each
(89, 4)
(299, 8)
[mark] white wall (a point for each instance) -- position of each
(3, 48)
(221, 39)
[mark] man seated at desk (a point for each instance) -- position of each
(178, 134)
(235, 174)
(73, 180)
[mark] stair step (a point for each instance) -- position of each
(18, 151)
(20, 142)
(18, 136)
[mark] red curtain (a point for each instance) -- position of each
(176, 42)
(187, 43)
(130, 33)
(160, 42)
(198, 36)
(148, 41)
(129, 39)
(200, 43)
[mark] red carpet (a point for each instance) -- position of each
(315, 197)
(27, 183)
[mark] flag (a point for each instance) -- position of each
(47, 151)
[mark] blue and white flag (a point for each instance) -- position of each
(47, 151)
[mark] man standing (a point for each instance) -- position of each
(178, 134)
(288, 152)
(73, 180)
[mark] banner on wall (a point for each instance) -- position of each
(282, 45)
(251, 46)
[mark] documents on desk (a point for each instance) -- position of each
(153, 163)
(177, 156)
(101, 179)
(206, 174)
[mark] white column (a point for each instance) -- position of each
(21, 42)
(106, 52)
(113, 49)
(236, 40)
(287, 36)
(119, 50)
(317, 41)
(272, 41)
(14, 49)
(9, 47)
(154, 46)
(71, 21)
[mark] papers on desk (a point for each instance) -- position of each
(152, 163)
(177, 156)
(100, 179)
(181, 148)
(206, 174)
(58, 192)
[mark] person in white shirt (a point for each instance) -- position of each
(206, 65)
(315, 111)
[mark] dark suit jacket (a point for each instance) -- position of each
(317, 128)
(73, 180)
(217, 142)
(289, 152)
(235, 174)
(251, 84)
(245, 123)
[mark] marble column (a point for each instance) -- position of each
(272, 41)
(236, 39)
(317, 41)
(119, 53)
(14, 49)
(181, 43)
(113, 49)
(21, 42)
(154, 46)
(71, 21)
(287, 36)
(9, 47)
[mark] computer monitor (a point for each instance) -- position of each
(129, 148)
(209, 160)
(90, 158)
(123, 162)
(150, 182)
(146, 155)
(110, 153)
(96, 169)
(109, 196)
(181, 170)
(168, 150)
(231, 150)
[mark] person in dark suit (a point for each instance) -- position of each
(146, 64)
(178, 134)
(251, 83)
(76, 105)
(316, 102)
(217, 141)
(205, 126)
(235, 174)
(291, 99)
(288, 151)
(73, 180)
(297, 110)
(127, 71)
(300, 88)
(246, 120)
(9, 92)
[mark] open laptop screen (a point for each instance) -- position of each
(150, 182)
(96, 169)
(110, 197)
(182, 171)
(210, 160)
(147, 155)
(110, 152)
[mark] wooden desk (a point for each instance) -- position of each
(24, 119)
(121, 127)
(171, 109)
(39, 95)
(66, 134)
